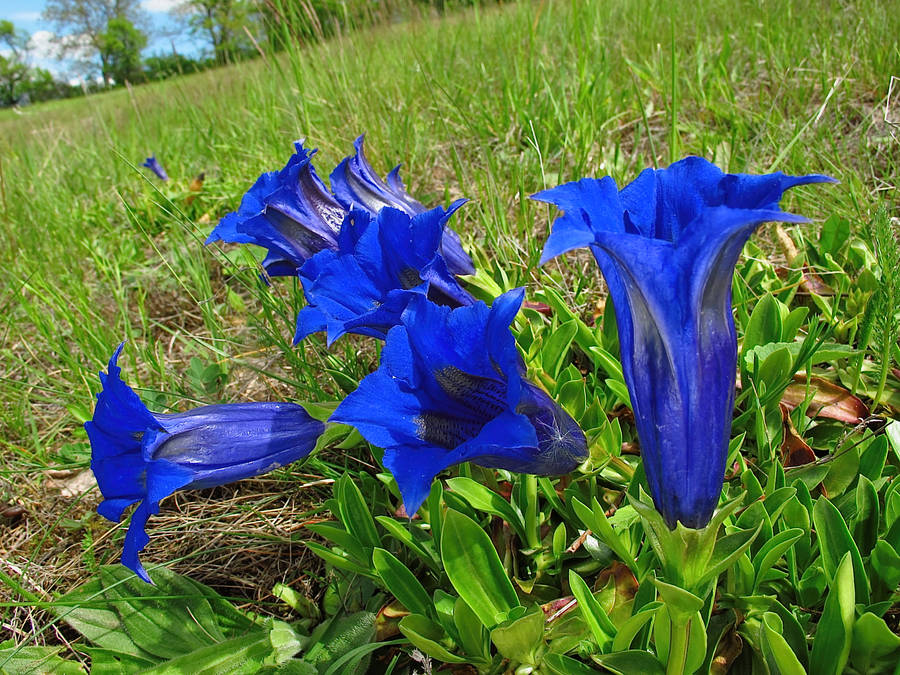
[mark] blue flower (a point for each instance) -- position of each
(667, 244)
(450, 389)
(356, 185)
(380, 264)
(139, 456)
(153, 164)
(289, 212)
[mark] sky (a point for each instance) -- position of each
(26, 15)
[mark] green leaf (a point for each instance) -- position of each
(335, 639)
(485, 499)
(628, 630)
(356, 661)
(238, 655)
(556, 348)
(597, 620)
(119, 612)
(777, 652)
(875, 646)
(36, 661)
(872, 459)
(775, 367)
(475, 570)
(828, 352)
(399, 531)
(341, 538)
(764, 325)
(771, 553)
(834, 542)
(338, 561)
(631, 662)
(427, 635)
(886, 562)
(867, 518)
(566, 665)
(109, 662)
(595, 520)
(402, 583)
(834, 632)
(728, 549)
(354, 513)
(842, 471)
(680, 603)
(473, 637)
(521, 639)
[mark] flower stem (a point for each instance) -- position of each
(678, 647)
(532, 526)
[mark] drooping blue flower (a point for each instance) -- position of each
(450, 389)
(667, 245)
(356, 185)
(140, 456)
(381, 262)
(153, 164)
(289, 212)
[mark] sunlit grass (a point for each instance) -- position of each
(492, 104)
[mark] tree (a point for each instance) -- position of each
(222, 22)
(120, 51)
(13, 68)
(82, 24)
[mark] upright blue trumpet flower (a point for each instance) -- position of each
(667, 245)
(356, 185)
(140, 456)
(381, 262)
(450, 389)
(289, 212)
(153, 164)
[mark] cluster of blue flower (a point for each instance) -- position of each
(451, 385)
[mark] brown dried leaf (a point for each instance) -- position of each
(71, 484)
(829, 400)
(794, 450)
(538, 307)
(730, 647)
(387, 621)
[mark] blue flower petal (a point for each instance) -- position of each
(667, 253)
(572, 230)
(382, 262)
(138, 456)
(289, 212)
(449, 389)
(356, 185)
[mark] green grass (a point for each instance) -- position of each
(493, 104)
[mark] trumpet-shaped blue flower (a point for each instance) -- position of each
(450, 389)
(356, 185)
(667, 244)
(140, 456)
(153, 164)
(381, 263)
(289, 212)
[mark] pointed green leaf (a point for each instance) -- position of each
(835, 541)
(427, 636)
(593, 614)
(475, 570)
(402, 583)
(834, 632)
(485, 499)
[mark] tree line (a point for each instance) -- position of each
(103, 40)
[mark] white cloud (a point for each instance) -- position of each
(159, 6)
(41, 46)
